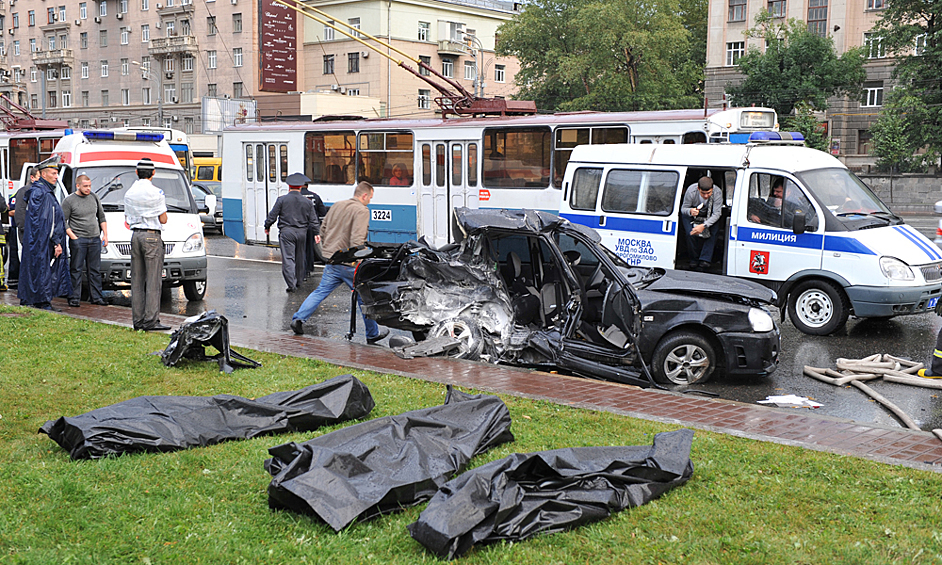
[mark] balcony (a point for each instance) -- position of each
(172, 45)
(56, 26)
(53, 57)
(175, 10)
(449, 47)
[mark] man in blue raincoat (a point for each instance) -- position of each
(44, 272)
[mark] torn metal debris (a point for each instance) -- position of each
(190, 340)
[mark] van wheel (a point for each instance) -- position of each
(818, 307)
(464, 330)
(683, 358)
(194, 290)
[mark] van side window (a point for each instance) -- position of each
(585, 189)
(645, 192)
(774, 201)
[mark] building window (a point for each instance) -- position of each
(211, 24)
(63, 42)
(737, 10)
(170, 92)
(168, 65)
(211, 90)
(186, 92)
(329, 31)
(105, 96)
(85, 99)
(777, 8)
(104, 68)
(500, 73)
(31, 15)
(864, 138)
(355, 24)
(84, 70)
(145, 33)
(16, 20)
(125, 97)
(66, 98)
(188, 127)
(875, 48)
(32, 46)
(50, 74)
(185, 27)
(353, 92)
(33, 100)
(237, 57)
(83, 40)
(188, 62)
(873, 96)
(469, 71)
(66, 73)
(875, 4)
(328, 64)
(52, 42)
(353, 62)
(125, 67)
(428, 61)
(211, 58)
(448, 68)
(145, 4)
(125, 34)
(103, 38)
(236, 23)
(920, 48)
(818, 17)
(425, 97)
(50, 15)
(734, 51)
(423, 31)
(16, 47)
(83, 10)
(145, 95)
(170, 29)
(237, 90)
(103, 7)
(52, 98)
(168, 123)
(144, 122)
(123, 6)
(62, 13)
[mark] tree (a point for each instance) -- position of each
(803, 120)
(797, 67)
(603, 55)
(896, 135)
(911, 30)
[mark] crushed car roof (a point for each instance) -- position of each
(528, 221)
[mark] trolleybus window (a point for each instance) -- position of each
(440, 165)
(329, 158)
(380, 152)
(249, 173)
(456, 164)
(585, 188)
(646, 192)
(29, 150)
(283, 150)
(472, 164)
(517, 157)
(271, 163)
(426, 164)
(259, 162)
(568, 138)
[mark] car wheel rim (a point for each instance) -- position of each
(814, 308)
(460, 332)
(686, 364)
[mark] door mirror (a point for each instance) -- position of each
(210, 203)
(798, 223)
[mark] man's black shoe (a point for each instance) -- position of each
(290, 289)
(704, 265)
(99, 303)
(297, 326)
(74, 303)
(383, 332)
(157, 328)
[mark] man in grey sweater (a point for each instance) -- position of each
(702, 208)
(88, 234)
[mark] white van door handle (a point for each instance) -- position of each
(601, 221)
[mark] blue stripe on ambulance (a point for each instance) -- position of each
(929, 250)
(633, 225)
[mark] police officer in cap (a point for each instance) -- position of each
(295, 215)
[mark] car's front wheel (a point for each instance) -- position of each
(683, 358)
(194, 290)
(467, 332)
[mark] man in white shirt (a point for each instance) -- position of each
(145, 212)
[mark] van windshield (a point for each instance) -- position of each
(111, 183)
(845, 195)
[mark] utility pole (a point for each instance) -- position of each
(477, 51)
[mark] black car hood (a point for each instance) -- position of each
(713, 286)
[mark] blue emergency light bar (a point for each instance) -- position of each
(105, 135)
(767, 137)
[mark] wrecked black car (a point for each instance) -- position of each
(529, 288)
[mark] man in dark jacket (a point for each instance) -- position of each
(44, 270)
(294, 214)
(321, 211)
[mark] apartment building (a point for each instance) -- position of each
(848, 22)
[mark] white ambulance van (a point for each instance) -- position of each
(828, 245)
(110, 159)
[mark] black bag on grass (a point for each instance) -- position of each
(170, 423)
(524, 495)
(384, 464)
(190, 340)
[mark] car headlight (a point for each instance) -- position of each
(760, 320)
(896, 270)
(193, 243)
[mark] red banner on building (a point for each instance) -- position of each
(278, 61)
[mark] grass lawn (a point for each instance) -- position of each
(748, 502)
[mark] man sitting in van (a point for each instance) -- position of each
(702, 208)
(769, 211)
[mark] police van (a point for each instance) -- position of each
(795, 219)
(109, 159)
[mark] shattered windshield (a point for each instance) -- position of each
(845, 195)
(111, 183)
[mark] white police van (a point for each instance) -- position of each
(110, 159)
(828, 245)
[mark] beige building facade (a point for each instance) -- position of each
(847, 22)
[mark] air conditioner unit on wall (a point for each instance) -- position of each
(120, 16)
(97, 20)
(176, 118)
(78, 22)
(174, 100)
(158, 24)
(366, 54)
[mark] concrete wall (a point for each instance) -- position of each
(909, 193)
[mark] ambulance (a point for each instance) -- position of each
(110, 159)
(826, 244)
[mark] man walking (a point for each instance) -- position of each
(346, 225)
(295, 215)
(88, 233)
(44, 270)
(145, 212)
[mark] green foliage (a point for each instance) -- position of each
(912, 32)
(605, 55)
(803, 120)
(797, 68)
(896, 135)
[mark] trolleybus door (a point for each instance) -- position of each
(448, 178)
(463, 171)
(265, 175)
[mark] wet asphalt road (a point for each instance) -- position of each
(246, 286)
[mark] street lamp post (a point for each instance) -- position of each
(145, 74)
(478, 54)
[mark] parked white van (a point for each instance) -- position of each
(829, 247)
(110, 159)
